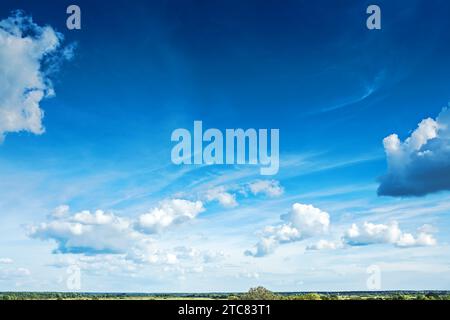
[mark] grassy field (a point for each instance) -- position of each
(259, 293)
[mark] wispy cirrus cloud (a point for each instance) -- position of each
(369, 89)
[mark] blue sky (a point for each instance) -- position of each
(137, 71)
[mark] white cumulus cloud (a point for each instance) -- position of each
(371, 233)
(60, 211)
(88, 232)
(421, 164)
(101, 242)
(301, 222)
(324, 245)
(168, 213)
(308, 219)
(24, 46)
(270, 188)
(224, 197)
